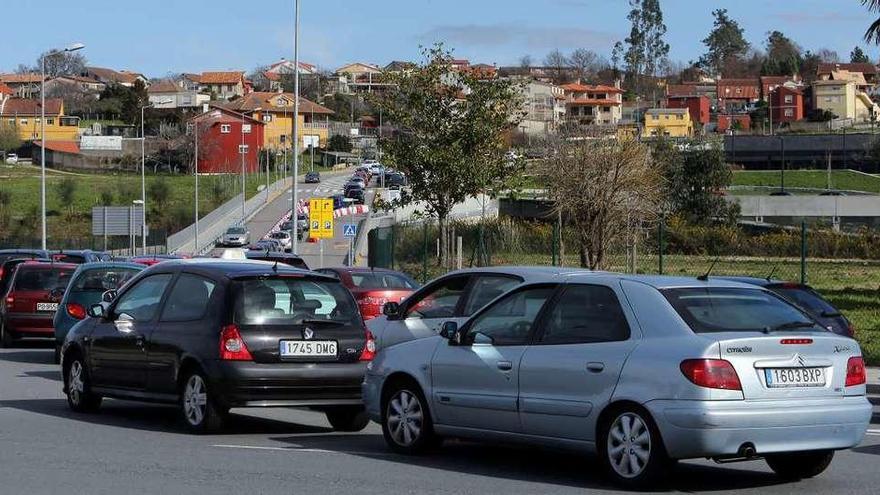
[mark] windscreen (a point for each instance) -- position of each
(293, 301)
(717, 309)
(42, 278)
(103, 279)
(236, 231)
(378, 281)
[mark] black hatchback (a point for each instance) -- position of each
(211, 335)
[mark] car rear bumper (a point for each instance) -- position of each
(31, 324)
(692, 429)
(248, 384)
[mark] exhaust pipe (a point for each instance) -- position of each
(746, 452)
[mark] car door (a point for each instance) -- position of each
(184, 326)
(569, 373)
(425, 312)
(475, 383)
(117, 350)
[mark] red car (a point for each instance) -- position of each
(31, 299)
(373, 287)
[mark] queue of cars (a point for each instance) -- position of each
(641, 370)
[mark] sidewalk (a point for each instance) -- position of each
(874, 381)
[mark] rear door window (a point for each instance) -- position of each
(293, 300)
(189, 299)
(141, 301)
(585, 314)
(486, 288)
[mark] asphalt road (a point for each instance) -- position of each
(143, 449)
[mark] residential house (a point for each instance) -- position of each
(843, 99)
(737, 122)
(699, 107)
(170, 94)
(111, 76)
(224, 85)
(593, 105)
(545, 107)
(483, 71)
(735, 95)
(398, 66)
(460, 64)
(82, 84)
(825, 71)
(24, 85)
(360, 77)
(770, 83)
(275, 110)
(633, 113)
(226, 140)
(669, 122)
(190, 81)
(24, 115)
(786, 105)
(276, 72)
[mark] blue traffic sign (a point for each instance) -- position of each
(349, 230)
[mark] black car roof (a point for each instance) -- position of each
(231, 268)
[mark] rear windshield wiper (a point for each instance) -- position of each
(792, 325)
(323, 322)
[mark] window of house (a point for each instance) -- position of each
(11, 121)
(680, 117)
(225, 128)
(267, 117)
(739, 91)
(789, 99)
(246, 129)
(23, 121)
(229, 88)
(789, 112)
(37, 120)
(243, 149)
(50, 121)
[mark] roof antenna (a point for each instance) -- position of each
(704, 277)
(772, 272)
(275, 267)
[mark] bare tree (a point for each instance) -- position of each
(586, 63)
(610, 188)
(525, 61)
(61, 64)
(557, 63)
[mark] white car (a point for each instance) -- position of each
(11, 158)
(283, 238)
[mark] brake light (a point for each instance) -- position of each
(796, 341)
(855, 372)
(369, 351)
(76, 311)
(232, 346)
(711, 373)
(10, 300)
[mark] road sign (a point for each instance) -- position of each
(349, 230)
(321, 218)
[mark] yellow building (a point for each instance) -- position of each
(844, 99)
(276, 111)
(24, 115)
(669, 122)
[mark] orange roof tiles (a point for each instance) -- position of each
(27, 107)
(264, 100)
(62, 146)
(230, 77)
(583, 88)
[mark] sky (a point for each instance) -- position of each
(160, 37)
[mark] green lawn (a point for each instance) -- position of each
(848, 180)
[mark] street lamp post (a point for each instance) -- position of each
(196, 170)
(295, 171)
(144, 171)
(52, 53)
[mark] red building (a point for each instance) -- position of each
(770, 83)
(727, 122)
(735, 94)
(698, 107)
(786, 104)
(224, 136)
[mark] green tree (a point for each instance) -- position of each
(872, 35)
(158, 191)
(452, 128)
(135, 98)
(339, 142)
(725, 44)
(646, 50)
(858, 56)
(9, 140)
(783, 56)
(66, 190)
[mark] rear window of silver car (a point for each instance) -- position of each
(292, 300)
(728, 309)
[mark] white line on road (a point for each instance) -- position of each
(298, 450)
(874, 432)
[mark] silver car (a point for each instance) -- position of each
(641, 370)
(283, 238)
(452, 297)
(235, 237)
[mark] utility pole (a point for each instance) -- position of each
(243, 180)
(196, 170)
(295, 172)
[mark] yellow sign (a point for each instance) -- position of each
(321, 218)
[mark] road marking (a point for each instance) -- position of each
(874, 432)
(298, 450)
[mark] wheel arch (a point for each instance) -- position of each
(398, 378)
(626, 404)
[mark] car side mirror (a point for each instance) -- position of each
(453, 333)
(109, 296)
(391, 309)
(97, 310)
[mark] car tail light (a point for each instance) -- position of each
(10, 300)
(76, 311)
(855, 372)
(796, 341)
(711, 373)
(369, 351)
(232, 346)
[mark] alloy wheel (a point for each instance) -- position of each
(405, 418)
(195, 400)
(75, 385)
(629, 445)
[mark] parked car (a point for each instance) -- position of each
(272, 257)
(806, 298)
(455, 297)
(223, 334)
(354, 183)
(235, 237)
(88, 285)
(31, 300)
(377, 169)
(155, 259)
(338, 201)
(642, 370)
(286, 225)
(267, 245)
(283, 238)
(357, 194)
(9, 254)
(395, 180)
(7, 270)
(11, 159)
(313, 178)
(79, 256)
(372, 288)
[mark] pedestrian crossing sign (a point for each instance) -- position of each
(321, 218)
(349, 230)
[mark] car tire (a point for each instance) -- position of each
(78, 384)
(348, 418)
(198, 406)
(6, 337)
(800, 465)
(406, 420)
(631, 449)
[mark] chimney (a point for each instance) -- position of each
(205, 107)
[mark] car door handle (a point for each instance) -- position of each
(504, 365)
(596, 367)
(139, 340)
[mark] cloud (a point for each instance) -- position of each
(530, 37)
(817, 17)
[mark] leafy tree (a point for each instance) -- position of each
(339, 142)
(857, 56)
(783, 55)
(646, 50)
(451, 134)
(9, 140)
(726, 43)
(135, 98)
(158, 191)
(66, 190)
